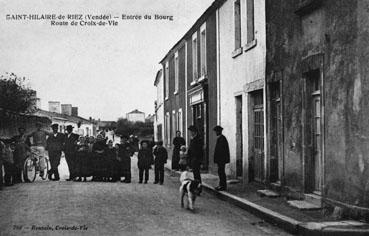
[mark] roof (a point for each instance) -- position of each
(12, 114)
(158, 75)
(214, 6)
(54, 115)
(136, 112)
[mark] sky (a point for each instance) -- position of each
(106, 71)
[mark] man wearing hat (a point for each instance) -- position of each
(70, 149)
(125, 152)
(221, 157)
(54, 145)
(195, 152)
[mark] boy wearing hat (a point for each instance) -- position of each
(195, 152)
(161, 156)
(54, 144)
(221, 157)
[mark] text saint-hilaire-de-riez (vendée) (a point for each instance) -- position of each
(57, 17)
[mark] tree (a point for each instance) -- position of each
(15, 95)
(141, 129)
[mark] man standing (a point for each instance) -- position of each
(54, 145)
(70, 149)
(195, 152)
(37, 141)
(178, 141)
(221, 157)
(125, 152)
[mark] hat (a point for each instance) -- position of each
(69, 127)
(192, 128)
(54, 125)
(145, 141)
(218, 128)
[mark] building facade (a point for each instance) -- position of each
(317, 54)
(190, 84)
(159, 107)
(136, 116)
(241, 91)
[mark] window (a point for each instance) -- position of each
(176, 73)
(250, 20)
(194, 57)
(203, 50)
(166, 78)
(174, 124)
(167, 128)
(180, 121)
(237, 24)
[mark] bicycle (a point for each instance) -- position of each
(32, 167)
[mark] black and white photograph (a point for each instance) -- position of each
(184, 117)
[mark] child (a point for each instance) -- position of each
(183, 158)
(9, 164)
(145, 160)
(161, 156)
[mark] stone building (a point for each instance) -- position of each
(317, 82)
(190, 83)
(136, 116)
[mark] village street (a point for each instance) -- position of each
(98, 208)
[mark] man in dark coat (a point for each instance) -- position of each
(70, 150)
(178, 141)
(54, 145)
(195, 152)
(221, 157)
(125, 151)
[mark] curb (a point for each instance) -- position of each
(284, 222)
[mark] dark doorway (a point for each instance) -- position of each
(313, 132)
(257, 135)
(239, 137)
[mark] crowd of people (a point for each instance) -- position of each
(88, 157)
(99, 159)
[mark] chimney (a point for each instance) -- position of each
(74, 111)
(66, 109)
(54, 107)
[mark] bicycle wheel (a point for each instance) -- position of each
(29, 170)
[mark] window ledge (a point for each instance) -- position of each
(250, 45)
(202, 78)
(307, 6)
(193, 83)
(237, 52)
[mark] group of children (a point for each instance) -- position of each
(104, 161)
